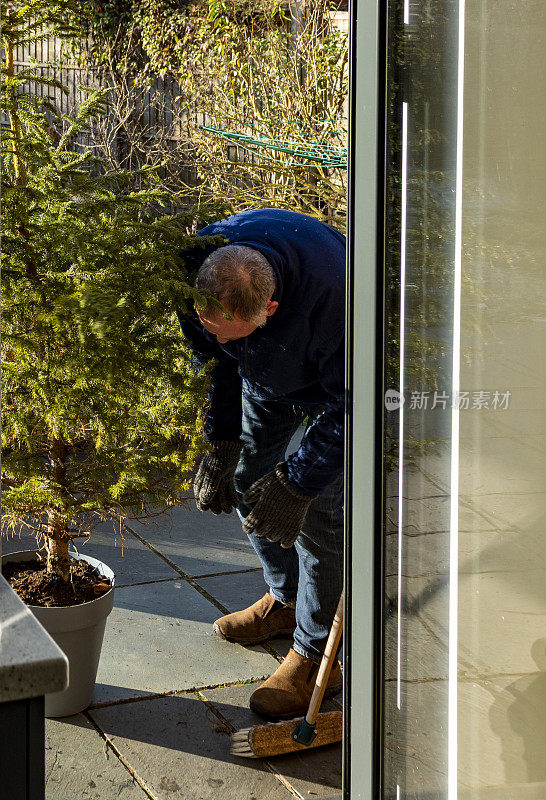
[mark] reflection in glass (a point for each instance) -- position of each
(464, 493)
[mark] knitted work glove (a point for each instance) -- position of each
(213, 484)
(280, 508)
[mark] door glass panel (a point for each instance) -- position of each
(464, 651)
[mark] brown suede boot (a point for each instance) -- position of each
(286, 693)
(261, 621)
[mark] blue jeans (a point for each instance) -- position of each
(309, 574)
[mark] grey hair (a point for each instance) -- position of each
(241, 278)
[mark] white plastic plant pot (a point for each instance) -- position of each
(79, 631)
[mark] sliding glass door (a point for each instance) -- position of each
(457, 542)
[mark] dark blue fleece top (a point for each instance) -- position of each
(298, 356)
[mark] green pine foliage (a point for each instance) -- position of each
(101, 403)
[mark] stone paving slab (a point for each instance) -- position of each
(77, 768)
(159, 639)
(422, 657)
(12, 544)
(316, 773)
(240, 590)
(519, 421)
(502, 724)
(416, 740)
(431, 515)
(480, 550)
(494, 607)
(515, 462)
(182, 750)
(197, 543)
(507, 511)
(200, 543)
(130, 560)
(236, 591)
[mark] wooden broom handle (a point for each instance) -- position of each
(326, 664)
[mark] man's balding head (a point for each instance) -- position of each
(241, 278)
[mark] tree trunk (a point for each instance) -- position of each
(58, 539)
(57, 543)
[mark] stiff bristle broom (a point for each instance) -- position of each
(313, 730)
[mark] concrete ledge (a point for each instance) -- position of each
(31, 664)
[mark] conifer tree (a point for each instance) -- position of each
(101, 404)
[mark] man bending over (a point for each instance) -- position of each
(279, 364)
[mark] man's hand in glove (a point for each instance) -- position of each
(280, 508)
(213, 485)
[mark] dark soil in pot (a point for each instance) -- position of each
(36, 587)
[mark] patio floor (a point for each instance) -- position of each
(169, 692)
